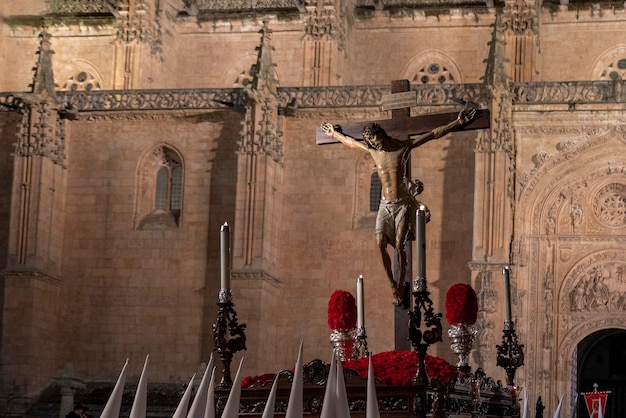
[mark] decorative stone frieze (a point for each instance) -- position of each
(78, 7)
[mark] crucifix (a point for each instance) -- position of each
(389, 142)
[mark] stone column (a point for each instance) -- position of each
(68, 386)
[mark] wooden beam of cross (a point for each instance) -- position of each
(403, 127)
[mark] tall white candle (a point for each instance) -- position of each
(507, 293)
(419, 285)
(360, 304)
(225, 256)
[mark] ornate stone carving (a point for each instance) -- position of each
(487, 296)
(42, 131)
(596, 284)
(567, 92)
(520, 17)
(324, 21)
(137, 23)
(241, 5)
(261, 128)
(540, 158)
(73, 7)
(609, 205)
(591, 292)
(347, 96)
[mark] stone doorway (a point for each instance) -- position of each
(602, 360)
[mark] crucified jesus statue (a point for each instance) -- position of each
(398, 206)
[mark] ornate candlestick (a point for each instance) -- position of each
(423, 305)
(228, 335)
(510, 354)
(462, 338)
(360, 344)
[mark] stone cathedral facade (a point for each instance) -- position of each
(131, 130)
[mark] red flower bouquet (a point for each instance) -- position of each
(461, 305)
(341, 311)
(398, 368)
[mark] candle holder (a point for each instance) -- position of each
(421, 340)
(344, 344)
(462, 338)
(422, 309)
(510, 356)
(228, 335)
(360, 343)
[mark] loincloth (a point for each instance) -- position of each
(391, 214)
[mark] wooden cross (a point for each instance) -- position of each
(402, 126)
(405, 126)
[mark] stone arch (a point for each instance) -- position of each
(571, 340)
(80, 75)
(432, 67)
(567, 231)
(552, 183)
(147, 216)
(610, 65)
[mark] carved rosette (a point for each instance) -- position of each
(462, 338)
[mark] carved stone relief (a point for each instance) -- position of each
(432, 67)
(571, 224)
(597, 283)
(611, 65)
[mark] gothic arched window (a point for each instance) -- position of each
(160, 201)
(375, 192)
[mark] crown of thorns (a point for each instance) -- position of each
(371, 130)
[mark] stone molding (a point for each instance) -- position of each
(540, 93)
(255, 275)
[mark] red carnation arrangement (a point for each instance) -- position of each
(396, 368)
(341, 311)
(461, 305)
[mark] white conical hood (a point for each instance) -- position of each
(371, 409)
(209, 411)
(343, 408)
(138, 409)
(329, 407)
(198, 405)
(112, 407)
(268, 412)
(557, 413)
(600, 410)
(524, 410)
(181, 410)
(231, 410)
(294, 407)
